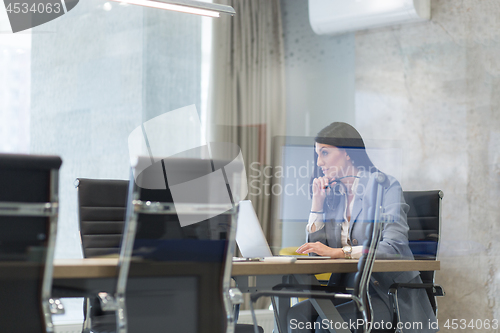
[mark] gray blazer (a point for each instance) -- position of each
(415, 308)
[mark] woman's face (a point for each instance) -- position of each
(333, 161)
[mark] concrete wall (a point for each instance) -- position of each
(319, 73)
(431, 89)
(434, 87)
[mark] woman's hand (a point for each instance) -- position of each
(321, 250)
(320, 189)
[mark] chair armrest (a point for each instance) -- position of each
(436, 289)
(71, 292)
(310, 294)
(303, 287)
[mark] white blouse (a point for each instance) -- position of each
(318, 220)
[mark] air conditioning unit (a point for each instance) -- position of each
(331, 17)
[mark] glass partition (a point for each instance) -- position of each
(77, 87)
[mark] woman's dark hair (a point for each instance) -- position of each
(344, 136)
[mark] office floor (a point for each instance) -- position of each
(265, 319)
(72, 320)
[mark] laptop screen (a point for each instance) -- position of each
(249, 235)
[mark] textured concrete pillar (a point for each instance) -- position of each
(434, 87)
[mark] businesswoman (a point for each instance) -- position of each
(342, 200)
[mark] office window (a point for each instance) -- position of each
(15, 84)
(77, 86)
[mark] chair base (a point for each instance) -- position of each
(247, 328)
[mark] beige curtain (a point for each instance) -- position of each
(247, 99)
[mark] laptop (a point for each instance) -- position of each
(250, 237)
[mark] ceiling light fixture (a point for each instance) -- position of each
(185, 6)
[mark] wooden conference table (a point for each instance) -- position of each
(106, 268)
(100, 274)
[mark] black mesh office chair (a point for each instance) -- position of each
(360, 292)
(101, 207)
(187, 268)
(424, 220)
(28, 225)
(150, 302)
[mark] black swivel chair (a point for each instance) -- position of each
(28, 226)
(360, 293)
(424, 220)
(186, 268)
(102, 214)
(101, 205)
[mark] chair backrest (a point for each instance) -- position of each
(102, 204)
(28, 226)
(370, 246)
(424, 220)
(188, 267)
